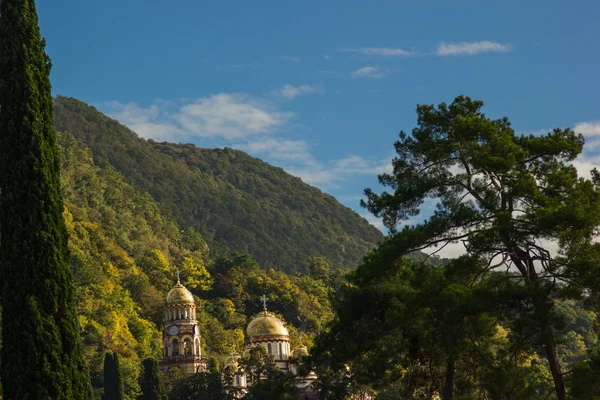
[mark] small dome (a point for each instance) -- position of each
(232, 362)
(266, 324)
(300, 351)
(179, 293)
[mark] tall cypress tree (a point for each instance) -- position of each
(151, 382)
(113, 379)
(41, 353)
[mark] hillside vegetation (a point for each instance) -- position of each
(237, 202)
(125, 249)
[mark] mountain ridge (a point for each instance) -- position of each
(237, 202)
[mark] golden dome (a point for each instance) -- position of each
(266, 324)
(300, 351)
(179, 294)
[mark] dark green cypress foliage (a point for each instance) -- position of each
(109, 377)
(120, 387)
(151, 381)
(41, 352)
(113, 379)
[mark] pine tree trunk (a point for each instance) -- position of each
(42, 355)
(552, 355)
(524, 263)
(449, 384)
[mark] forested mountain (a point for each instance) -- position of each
(237, 202)
(124, 251)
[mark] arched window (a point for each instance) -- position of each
(187, 347)
(269, 348)
(237, 380)
(281, 351)
(197, 347)
(175, 347)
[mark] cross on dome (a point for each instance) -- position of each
(264, 299)
(177, 273)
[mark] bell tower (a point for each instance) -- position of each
(182, 342)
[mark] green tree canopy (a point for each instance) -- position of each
(504, 196)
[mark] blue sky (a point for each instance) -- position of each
(322, 88)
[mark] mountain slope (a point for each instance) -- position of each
(237, 202)
(124, 251)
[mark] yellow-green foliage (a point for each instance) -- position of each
(125, 249)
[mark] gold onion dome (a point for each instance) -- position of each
(266, 324)
(179, 294)
(300, 351)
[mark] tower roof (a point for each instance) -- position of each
(180, 294)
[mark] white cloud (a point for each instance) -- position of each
(588, 128)
(230, 116)
(225, 115)
(291, 58)
(451, 250)
(471, 48)
(316, 176)
(585, 163)
(380, 51)
(373, 220)
(291, 92)
(591, 131)
(589, 159)
(290, 151)
(132, 114)
(370, 72)
(356, 165)
(145, 121)
(334, 172)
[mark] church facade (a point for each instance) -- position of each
(182, 342)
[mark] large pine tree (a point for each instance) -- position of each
(41, 348)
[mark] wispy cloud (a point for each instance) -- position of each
(291, 58)
(380, 51)
(227, 115)
(471, 48)
(334, 172)
(290, 151)
(370, 72)
(296, 158)
(291, 91)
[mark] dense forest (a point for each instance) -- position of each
(236, 202)
(125, 250)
